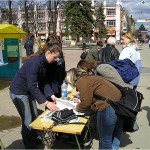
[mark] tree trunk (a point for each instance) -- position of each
(26, 17)
(10, 11)
(55, 15)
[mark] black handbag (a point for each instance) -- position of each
(63, 116)
(129, 104)
(130, 126)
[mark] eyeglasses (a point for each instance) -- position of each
(56, 57)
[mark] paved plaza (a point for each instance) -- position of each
(138, 140)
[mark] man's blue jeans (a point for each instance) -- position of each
(27, 109)
(106, 122)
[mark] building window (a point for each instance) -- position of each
(110, 23)
(111, 12)
(41, 26)
(41, 15)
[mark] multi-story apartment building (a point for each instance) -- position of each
(40, 19)
(115, 20)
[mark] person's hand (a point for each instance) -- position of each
(53, 97)
(76, 100)
(52, 107)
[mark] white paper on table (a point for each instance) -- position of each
(47, 116)
(62, 104)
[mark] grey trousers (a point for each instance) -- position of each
(111, 74)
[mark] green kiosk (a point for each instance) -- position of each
(10, 52)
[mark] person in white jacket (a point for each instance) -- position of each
(131, 51)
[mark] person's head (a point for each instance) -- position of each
(52, 39)
(31, 36)
(87, 65)
(73, 75)
(52, 52)
(127, 38)
(99, 44)
(111, 40)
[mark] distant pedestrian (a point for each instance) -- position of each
(37, 45)
(84, 46)
(29, 45)
(93, 52)
(149, 43)
(109, 52)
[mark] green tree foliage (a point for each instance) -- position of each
(78, 18)
(100, 19)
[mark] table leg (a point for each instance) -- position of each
(77, 141)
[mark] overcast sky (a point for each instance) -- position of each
(138, 10)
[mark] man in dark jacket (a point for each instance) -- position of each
(29, 45)
(109, 52)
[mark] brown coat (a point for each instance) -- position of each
(90, 85)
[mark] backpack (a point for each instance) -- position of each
(83, 55)
(126, 68)
(128, 106)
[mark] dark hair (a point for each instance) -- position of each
(52, 40)
(99, 43)
(31, 36)
(53, 49)
(87, 65)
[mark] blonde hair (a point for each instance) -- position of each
(38, 42)
(129, 36)
(70, 77)
(74, 74)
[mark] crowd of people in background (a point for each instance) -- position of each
(42, 74)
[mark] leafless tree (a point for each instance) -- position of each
(10, 11)
(52, 16)
(26, 16)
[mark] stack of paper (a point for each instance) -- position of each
(62, 104)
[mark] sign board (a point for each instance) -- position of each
(143, 20)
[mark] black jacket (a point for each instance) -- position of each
(31, 79)
(29, 46)
(108, 53)
(56, 73)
